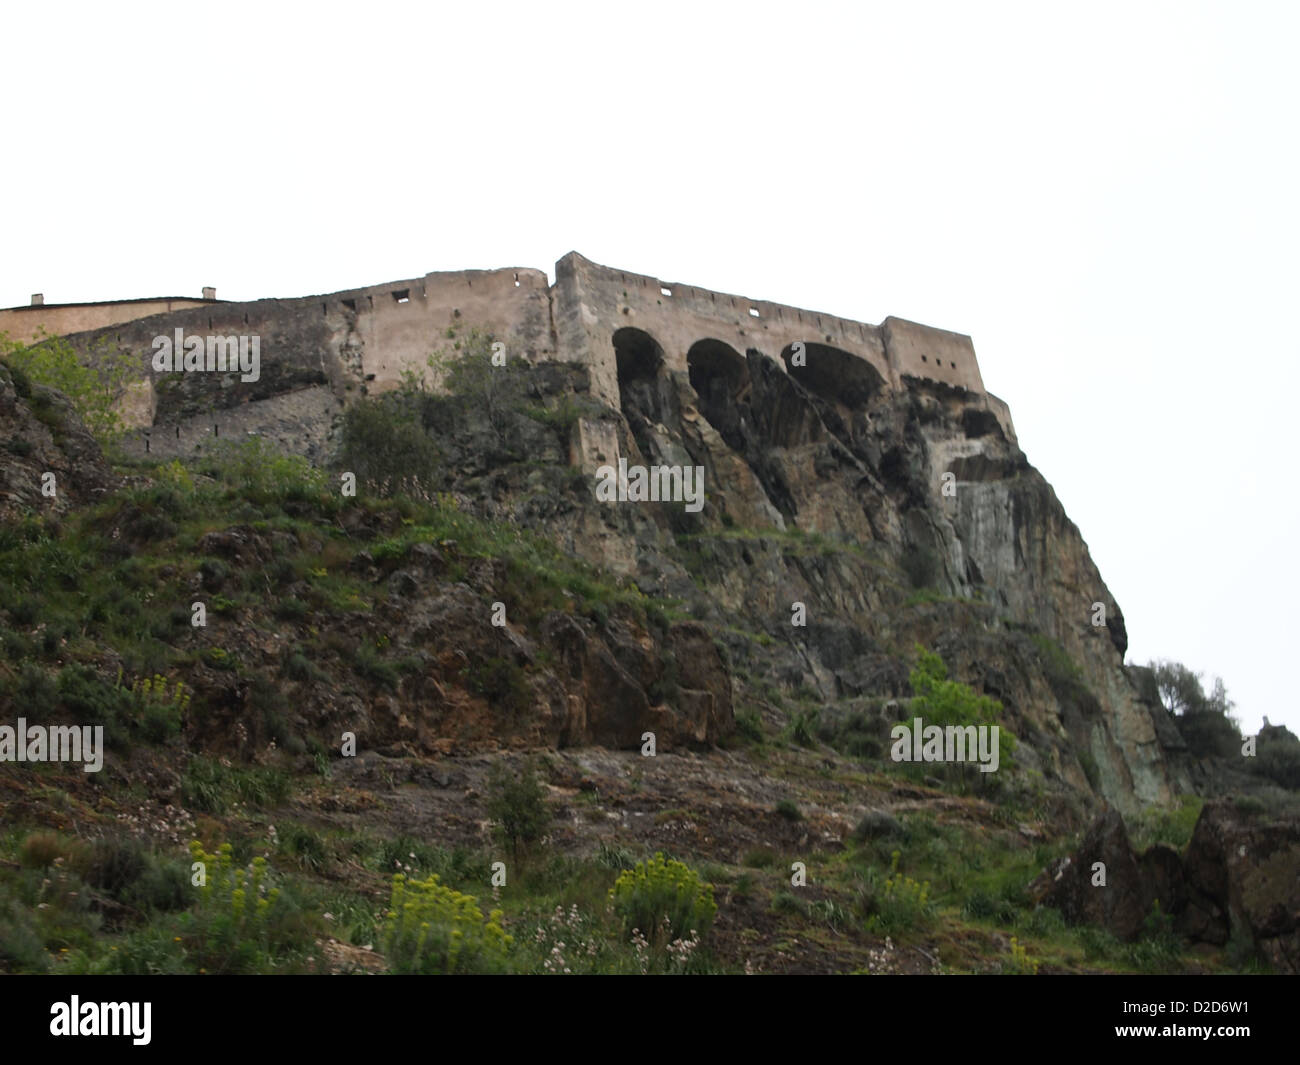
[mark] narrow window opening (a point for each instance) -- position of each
(923, 359)
(516, 280)
(954, 366)
(323, 310)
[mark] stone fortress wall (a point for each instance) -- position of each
(25, 324)
(318, 351)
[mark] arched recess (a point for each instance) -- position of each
(834, 374)
(640, 361)
(719, 375)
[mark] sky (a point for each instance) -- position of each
(1103, 196)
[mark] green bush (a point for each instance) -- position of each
(1167, 824)
(385, 445)
(1209, 734)
(430, 928)
(517, 808)
(788, 809)
(663, 900)
(901, 903)
(92, 390)
(1279, 761)
(240, 924)
(940, 701)
(501, 682)
(1159, 949)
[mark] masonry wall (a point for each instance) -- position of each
(593, 301)
(350, 343)
(346, 344)
(932, 354)
(24, 324)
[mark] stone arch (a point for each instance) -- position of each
(637, 354)
(834, 374)
(639, 358)
(720, 377)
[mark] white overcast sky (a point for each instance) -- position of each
(1104, 196)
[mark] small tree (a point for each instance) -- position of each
(517, 807)
(1178, 687)
(384, 444)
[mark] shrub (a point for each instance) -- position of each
(239, 923)
(940, 701)
(1159, 948)
(501, 683)
(1279, 761)
(431, 928)
(92, 390)
(385, 446)
(663, 900)
(1167, 824)
(803, 724)
(1209, 734)
(788, 809)
(1019, 963)
(903, 903)
(517, 807)
(749, 726)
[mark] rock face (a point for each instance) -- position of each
(1244, 876)
(1239, 878)
(466, 684)
(906, 493)
(893, 513)
(1112, 895)
(40, 434)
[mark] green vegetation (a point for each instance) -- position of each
(382, 435)
(1172, 825)
(662, 900)
(92, 390)
(517, 807)
(431, 928)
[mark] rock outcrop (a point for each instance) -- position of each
(1239, 878)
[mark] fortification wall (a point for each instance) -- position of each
(361, 340)
(354, 342)
(24, 324)
(386, 329)
(931, 354)
(593, 302)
